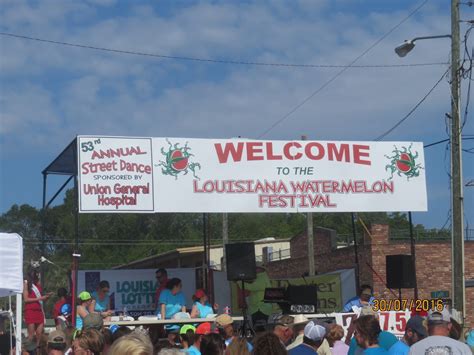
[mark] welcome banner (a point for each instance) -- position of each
(129, 174)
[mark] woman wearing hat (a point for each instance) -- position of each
(201, 306)
(82, 309)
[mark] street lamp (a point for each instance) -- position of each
(457, 212)
(404, 48)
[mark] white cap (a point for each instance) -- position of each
(437, 316)
(300, 319)
(314, 331)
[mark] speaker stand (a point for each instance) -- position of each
(246, 329)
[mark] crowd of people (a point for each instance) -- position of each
(434, 333)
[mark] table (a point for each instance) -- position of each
(150, 321)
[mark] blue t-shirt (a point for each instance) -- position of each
(173, 303)
(192, 349)
(204, 309)
(101, 306)
(355, 301)
(399, 348)
(386, 341)
(302, 349)
(375, 351)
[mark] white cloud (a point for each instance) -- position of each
(102, 93)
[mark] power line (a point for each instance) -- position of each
(386, 133)
(443, 141)
(215, 61)
(339, 73)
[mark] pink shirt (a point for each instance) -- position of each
(340, 348)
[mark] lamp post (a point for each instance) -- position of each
(457, 223)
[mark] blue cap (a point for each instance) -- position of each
(66, 309)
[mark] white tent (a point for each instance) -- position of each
(11, 277)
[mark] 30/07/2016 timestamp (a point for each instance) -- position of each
(418, 305)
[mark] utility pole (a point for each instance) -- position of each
(413, 254)
(310, 236)
(225, 239)
(457, 230)
(356, 251)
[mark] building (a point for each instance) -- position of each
(433, 262)
(265, 249)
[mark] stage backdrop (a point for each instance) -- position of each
(334, 290)
(127, 174)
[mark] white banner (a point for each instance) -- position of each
(123, 174)
(393, 322)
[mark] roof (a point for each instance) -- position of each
(66, 162)
(186, 250)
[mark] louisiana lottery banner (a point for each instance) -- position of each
(134, 289)
(129, 174)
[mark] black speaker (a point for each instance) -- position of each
(400, 271)
(302, 294)
(240, 261)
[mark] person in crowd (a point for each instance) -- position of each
(334, 336)
(64, 319)
(101, 300)
(239, 346)
(201, 307)
(43, 345)
(88, 342)
(225, 326)
(186, 335)
(132, 344)
(120, 332)
(313, 336)
(172, 299)
(82, 309)
(33, 311)
(212, 344)
(438, 340)
(161, 282)
(385, 339)
(108, 340)
(366, 333)
(201, 330)
(299, 323)
(283, 329)
(7, 342)
(69, 332)
(365, 298)
(469, 335)
(258, 309)
(56, 342)
(414, 332)
(62, 300)
(93, 321)
(169, 351)
(267, 343)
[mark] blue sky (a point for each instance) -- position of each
(51, 93)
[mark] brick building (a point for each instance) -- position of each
(433, 262)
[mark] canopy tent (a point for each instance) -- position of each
(11, 277)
